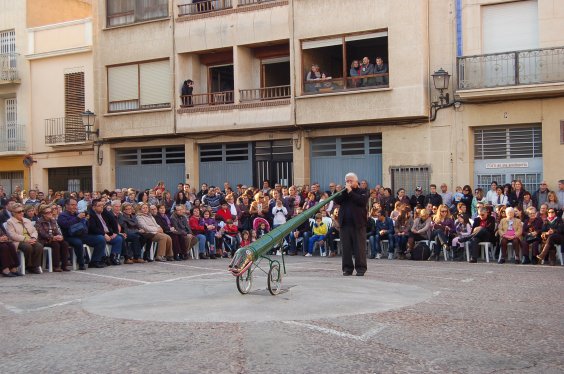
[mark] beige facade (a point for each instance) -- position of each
(235, 54)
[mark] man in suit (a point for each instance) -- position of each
(352, 220)
(102, 223)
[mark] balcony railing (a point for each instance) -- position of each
(8, 67)
(64, 130)
(534, 66)
(252, 2)
(346, 84)
(12, 137)
(267, 93)
(212, 98)
(203, 6)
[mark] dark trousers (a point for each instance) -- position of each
(8, 256)
(480, 236)
(33, 253)
(549, 245)
(515, 242)
(353, 241)
(178, 243)
(59, 252)
(96, 241)
(76, 243)
(440, 239)
(134, 243)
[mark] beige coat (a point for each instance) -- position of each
(504, 225)
(15, 230)
(147, 222)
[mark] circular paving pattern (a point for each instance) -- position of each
(217, 300)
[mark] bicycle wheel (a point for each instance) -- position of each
(274, 279)
(245, 282)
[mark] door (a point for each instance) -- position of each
(71, 179)
(227, 162)
(273, 161)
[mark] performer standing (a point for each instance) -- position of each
(352, 219)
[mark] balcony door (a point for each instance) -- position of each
(11, 121)
(74, 107)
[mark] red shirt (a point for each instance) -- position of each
(195, 226)
(223, 215)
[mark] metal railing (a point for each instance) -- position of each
(212, 98)
(533, 66)
(64, 130)
(252, 2)
(350, 83)
(266, 93)
(8, 67)
(12, 137)
(203, 6)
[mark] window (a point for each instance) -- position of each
(150, 156)
(139, 86)
(508, 142)
(530, 181)
(408, 178)
(74, 107)
(123, 12)
(224, 152)
(331, 60)
(484, 181)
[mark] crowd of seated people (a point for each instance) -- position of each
(121, 226)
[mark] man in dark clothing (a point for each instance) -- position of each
(187, 89)
(434, 198)
(352, 220)
(483, 230)
(302, 231)
(102, 223)
(418, 199)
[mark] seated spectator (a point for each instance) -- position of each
(532, 230)
(552, 234)
(178, 241)
(133, 237)
(198, 230)
(463, 229)
(102, 222)
(421, 230)
(50, 236)
(442, 231)
(302, 231)
(483, 230)
(478, 198)
(552, 200)
(211, 233)
(433, 197)
(245, 238)
(382, 229)
(21, 231)
(319, 232)
(30, 212)
(181, 226)
(402, 229)
(516, 196)
(9, 260)
(510, 230)
(418, 199)
(230, 238)
(153, 232)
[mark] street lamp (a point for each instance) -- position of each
(440, 82)
(88, 119)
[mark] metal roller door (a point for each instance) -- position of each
(221, 163)
(142, 168)
(332, 158)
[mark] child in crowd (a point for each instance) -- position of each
(279, 213)
(463, 229)
(231, 237)
(253, 236)
(211, 230)
(458, 195)
(245, 238)
(319, 232)
(262, 229)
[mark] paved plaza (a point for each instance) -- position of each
(188, 317)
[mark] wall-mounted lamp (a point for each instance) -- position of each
(440, 81)
(88, 119)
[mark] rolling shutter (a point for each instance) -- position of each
(155, 83)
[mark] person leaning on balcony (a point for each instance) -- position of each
(355, 72)
(313, 75)
(381, 68)
(24, 235)
(153, 232)
(187, 89)
(366, 69)
(50, 235)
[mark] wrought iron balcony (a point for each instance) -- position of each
(203, 6)
(64, 130)
(534, 66)
(12, 137)
(266, 93)
(212, 98)
(9, 68)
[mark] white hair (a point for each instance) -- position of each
(351, 174)
(509, 210)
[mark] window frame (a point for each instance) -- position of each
(139, 108)
(133, 11)
(345, 69)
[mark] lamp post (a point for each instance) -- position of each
(88, 119)
(441, 80)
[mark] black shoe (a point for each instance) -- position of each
(203, 257)
(473, 261)
(17, 273)
(82, 267)
(432, 257)
(96, 265)
(114, 260)
(346, 273)
(501, 261)
(177, 257)
(372, 257)
(464, 239)
(517, 261)
(9, 275)
(359, 274)
(526, 261)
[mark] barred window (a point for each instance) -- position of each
(508, 142)
(409, 177)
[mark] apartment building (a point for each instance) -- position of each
(252, 114)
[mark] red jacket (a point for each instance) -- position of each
(195, 226)
(223, 215)
(231, 229)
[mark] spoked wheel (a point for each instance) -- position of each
(245, 282)
(274, 279)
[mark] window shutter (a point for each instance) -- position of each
(155, 83)
(123, 83)
(322, 43)
(74, 94)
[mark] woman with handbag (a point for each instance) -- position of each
(50, 236)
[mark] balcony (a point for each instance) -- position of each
(253, 2)
(8, 68)
(12, 137)
(537, 72)
(207, 99)
(327, 85)
(203, 6)
(64, 130)
(266, 93)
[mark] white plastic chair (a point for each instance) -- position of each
(559, 254)
(49, 257)
(484, 246)
(20, 253)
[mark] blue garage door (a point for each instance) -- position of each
(230, 162)
(332, 158)
(142, 168)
